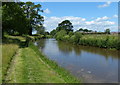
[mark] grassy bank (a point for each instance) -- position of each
(62, 72)
(27, 64)
(98, 40)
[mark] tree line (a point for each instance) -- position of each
(67, 27)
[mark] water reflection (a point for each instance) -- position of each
(89, 63)
(69, 47)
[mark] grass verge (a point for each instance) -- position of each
(62, 72)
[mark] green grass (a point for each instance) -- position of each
(102, 41)
(8, 51)
(29, 68)
(28, 65)
(22, 39)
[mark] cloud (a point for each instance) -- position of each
(98, 24)
(47, 11)
(105, 5)
(102, 18)
(115, 16)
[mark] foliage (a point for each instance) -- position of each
(102, 41)
(107, 31)
(19, 16)
(78, 36)
(61, 34)
(53, 32)
(65, 25)
(13, 19)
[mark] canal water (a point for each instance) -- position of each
(89, 64)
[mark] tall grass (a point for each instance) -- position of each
(102, 41)
(8, 51)
(97, 40)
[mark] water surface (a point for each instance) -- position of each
(90, 64)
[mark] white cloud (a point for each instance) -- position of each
(47, 11)
(105, 5)
(90, 22)
(102, 18)
(115, 16)
(98, 24)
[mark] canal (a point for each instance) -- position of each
(89, 64)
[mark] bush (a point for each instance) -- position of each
(60, 35)
(78, 35)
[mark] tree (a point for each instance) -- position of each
(86, 30)
(61, 34)
(80, 30)
(32, 13)
(65, 25)
(53, 32)
(40, 29)
(21, 18)
(107, 31)
(13, 19)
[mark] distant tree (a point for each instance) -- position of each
(53, 32)
(65, 25)
(107, 31)
(59, 35)
(80, 29)
(46, 33)
(85, 30)
(40, 29)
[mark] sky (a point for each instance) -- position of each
(96, 16)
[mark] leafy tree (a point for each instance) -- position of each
(40, 29)
(53, 32)
(107, 31)
(21, 18)
(32, 13)
(13, 19)
(86, 30)
(65, 25)
(61, 34)
(80, 29)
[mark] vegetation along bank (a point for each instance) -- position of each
(64, 32)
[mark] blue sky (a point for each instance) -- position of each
(91, 15)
